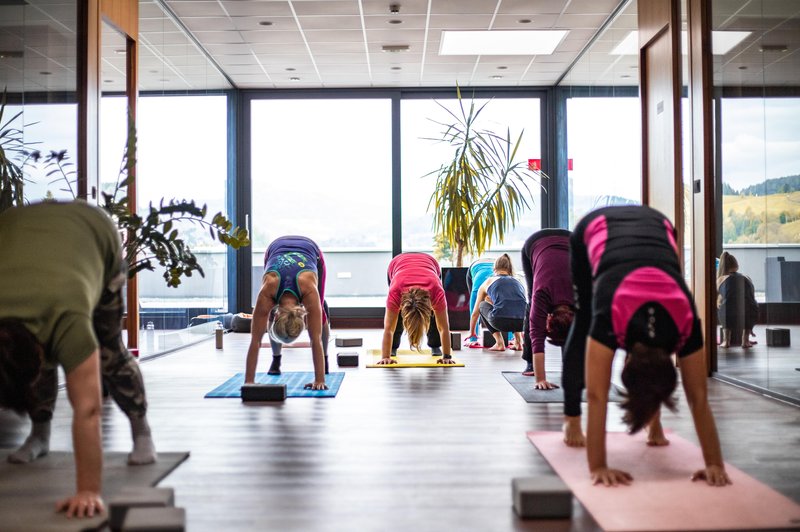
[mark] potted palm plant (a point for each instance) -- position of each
(481, 191)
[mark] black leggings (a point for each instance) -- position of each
(498, 324)
(434, 340)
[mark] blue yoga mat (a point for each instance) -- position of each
(294, 381)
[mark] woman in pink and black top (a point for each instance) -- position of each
(630, 295)
(416, 296)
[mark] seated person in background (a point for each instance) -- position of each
(737, 309)
(292, 296)
(61, 279)
(545, 261)
(501, 305)
(477, 273)
(631, 295)
(416, 302)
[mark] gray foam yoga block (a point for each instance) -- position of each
(544, 497)
(155, 520)
(347, 359)
(121, 503)
(455, 341)
(263, 392)
(349, 342)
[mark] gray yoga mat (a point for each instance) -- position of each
(524, 385)
(28, 493)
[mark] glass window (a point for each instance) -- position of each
(322, 168)
(421, 156)
(604, 144)
(182, 154)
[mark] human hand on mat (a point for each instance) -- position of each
(386, 361)
(82, 504)
(316, 386)
(610, 477)
(545, 385)
(714, 475)
(446, 360)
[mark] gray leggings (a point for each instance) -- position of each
(120, 371)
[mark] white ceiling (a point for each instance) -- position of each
(337, 43)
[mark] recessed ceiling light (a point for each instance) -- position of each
(524, 21)
(120, 52)
(501, 42)
(497, 77)
(395, 21)
(394, 8)
(502, 68)
(722, 42)
(8, 54)
(625, 76)
(395, 48)
(294, 79)
(163, 80)
(396, 68)
(153, 71)
(265, 23)
(290, 69)
(108, 81)
(45, 73)
(742, 67)
(773, 48)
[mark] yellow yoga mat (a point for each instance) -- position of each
(411, 359)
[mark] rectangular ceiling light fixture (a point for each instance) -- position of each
(514, 42)
(722, 42)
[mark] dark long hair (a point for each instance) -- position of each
(558, 324)
(650, 378)
(20, 365)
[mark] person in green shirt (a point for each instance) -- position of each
(61, 279)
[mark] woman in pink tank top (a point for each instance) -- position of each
(630, 294)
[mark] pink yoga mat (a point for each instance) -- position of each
(661, 496)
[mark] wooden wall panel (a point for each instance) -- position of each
(659, 62)
(123, 15)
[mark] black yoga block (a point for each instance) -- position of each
(777, 337)
(263, 392)
(348, 359)
(488, 339)
(349, 342)
(455, 341)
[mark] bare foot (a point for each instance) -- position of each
(747, 345)
(724, 345)
(655, 435)
(573, 435)
(497, 347)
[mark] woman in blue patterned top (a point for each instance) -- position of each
(292, 297)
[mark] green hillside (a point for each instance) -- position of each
(766, 219)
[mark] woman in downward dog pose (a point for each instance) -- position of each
(630, 294)
(292, 296)
(416, 303)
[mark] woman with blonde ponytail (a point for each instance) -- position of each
(292, 297)
(416, 303)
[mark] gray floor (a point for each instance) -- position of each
(771, 368)
(397, 449)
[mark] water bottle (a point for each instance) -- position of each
(150, 336)
(218, 332)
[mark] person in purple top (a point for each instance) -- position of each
(291, 298)
(545, 261)
(630, 294)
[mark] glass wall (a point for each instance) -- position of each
(603, 120)
(322, 168)
(38, 54)
(422, 154)
(182, 154)
(757, 87)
